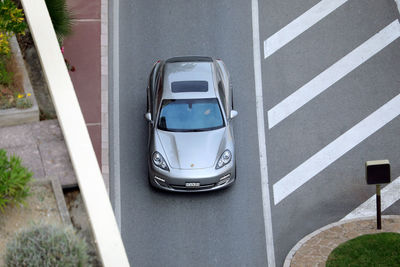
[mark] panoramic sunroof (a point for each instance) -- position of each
(189, 86)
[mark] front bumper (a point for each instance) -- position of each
(177, 180)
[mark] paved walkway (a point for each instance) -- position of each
(42, 149)
(314, 249)
(83, 51)
(87, 50)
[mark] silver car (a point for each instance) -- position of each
(189, 110)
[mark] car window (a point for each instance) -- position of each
(189, 86)
(190, 115)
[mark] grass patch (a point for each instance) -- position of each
(381, 249)
(6, 77)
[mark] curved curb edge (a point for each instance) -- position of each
(299, 244)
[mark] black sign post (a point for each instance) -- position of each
(378, 207)
(377, 172)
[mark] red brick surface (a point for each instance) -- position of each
(82, 49)
(85, 9)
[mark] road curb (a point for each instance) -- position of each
(308, 237)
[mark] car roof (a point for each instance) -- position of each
(188, 69)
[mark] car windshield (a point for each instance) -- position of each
(190, 115)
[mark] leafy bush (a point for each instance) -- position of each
(13, 180)
(11, 18)
(47, 246)
(61, 18)
(11, 22)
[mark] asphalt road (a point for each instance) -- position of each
(341, 187)
(226, 228)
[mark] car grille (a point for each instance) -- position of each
(182, 187)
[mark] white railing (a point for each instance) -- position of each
(98, 206)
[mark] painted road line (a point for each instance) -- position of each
(333, 74)
(299, 25)
(269, 239)
(389, 195)
(115, 186)
(398, 5)
(340, 146)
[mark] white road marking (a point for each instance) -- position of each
(398, 4)
(389, 195)
(269, 240)
(116, 185)
(299, 25)
(341, 145)
(334, 73)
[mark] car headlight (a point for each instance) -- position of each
(159, 161)
(225, 158)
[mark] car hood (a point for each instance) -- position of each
(192, 150)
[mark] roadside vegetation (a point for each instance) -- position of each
(381, 249)
(47, 246)
(14, 179)
(11, 23)
(61, 18)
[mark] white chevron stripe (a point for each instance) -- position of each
(334, 73)
(340, 146)
(299, 25)
(389, 195)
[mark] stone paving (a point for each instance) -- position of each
(42, 149)
(314, 249)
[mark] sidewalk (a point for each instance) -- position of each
(83, 51)
(314, 249)
(42, 149)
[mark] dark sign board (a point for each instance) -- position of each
(377, 172)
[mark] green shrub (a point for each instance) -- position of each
(11, 18)
(61, 18)
(13, 180)
(11, 22)
(47, 246)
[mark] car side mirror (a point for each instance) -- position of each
(148, 117)
(234, 113)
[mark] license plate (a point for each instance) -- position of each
(192, 184)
